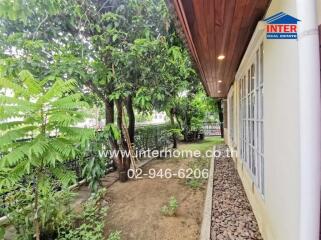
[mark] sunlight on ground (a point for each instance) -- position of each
(203, 145)
(137, 204)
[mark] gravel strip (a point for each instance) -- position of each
(232, 218)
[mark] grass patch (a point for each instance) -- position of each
(114, 235)
(203, 145)
(170, 208)
(199, 165)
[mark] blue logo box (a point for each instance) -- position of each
(281, 35)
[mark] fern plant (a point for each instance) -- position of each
(38, 134)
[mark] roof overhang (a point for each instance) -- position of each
(214, 29)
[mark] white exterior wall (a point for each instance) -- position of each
(281, 88)
(319, 10)
(279, 211)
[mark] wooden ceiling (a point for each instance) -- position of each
(218, 27)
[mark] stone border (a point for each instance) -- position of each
(207, 212)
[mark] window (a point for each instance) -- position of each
(231, 117)
(251, 119)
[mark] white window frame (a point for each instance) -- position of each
(231, 118)
(251, 117)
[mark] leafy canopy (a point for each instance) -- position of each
(37, 128)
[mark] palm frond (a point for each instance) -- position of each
(61, 119)
(32, 85)
(70, 105)
(66, 177)
(15, 101)
(10, 125)
(16, 88)
(57, 90)
(10, 113)
(68, 99)
(38, 146)
(16, 134)
(77, 134)
(63, 146)
(15, 157)
(9, 177)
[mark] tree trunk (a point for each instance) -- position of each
(187, 127)
(109, 113)
(131, 118)
(178, 121)
(220, 116)
(109, 117)
(36, 217)
(171, 116)
(123, 164)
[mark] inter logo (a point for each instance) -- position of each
(281, 26)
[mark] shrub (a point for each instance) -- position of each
(199, 164)
(153, 136)
(114, 235)
(89, 224)
(194, 183)
(171, 207)
(36, 110)
(53, 208)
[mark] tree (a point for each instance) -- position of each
(221, 117)
(110, 29)
(192, 108)
(125, 52)
(38, 136)
(162, 71)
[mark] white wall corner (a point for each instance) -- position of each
(309, 105)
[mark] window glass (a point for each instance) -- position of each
(261, 103)
(248, 81)
(252, 76)
(262, 138)
(251, 110)
(261, 63)
(258, 67)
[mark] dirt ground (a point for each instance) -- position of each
(135, 206)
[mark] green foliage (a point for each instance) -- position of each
(89, 224)
(21, 10)
(143, 117)
(94, 163)
(114, 235)
(111, 130)
(53, 208)
(38, 134)
(40, 111)
(93, 171)
(153, 136)
(109, 50)
(192, 109)
(171, 207)
(176, 132)
(161, 71)
(2, 232)
(194, 183)
(114, 49)
(198, 164)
